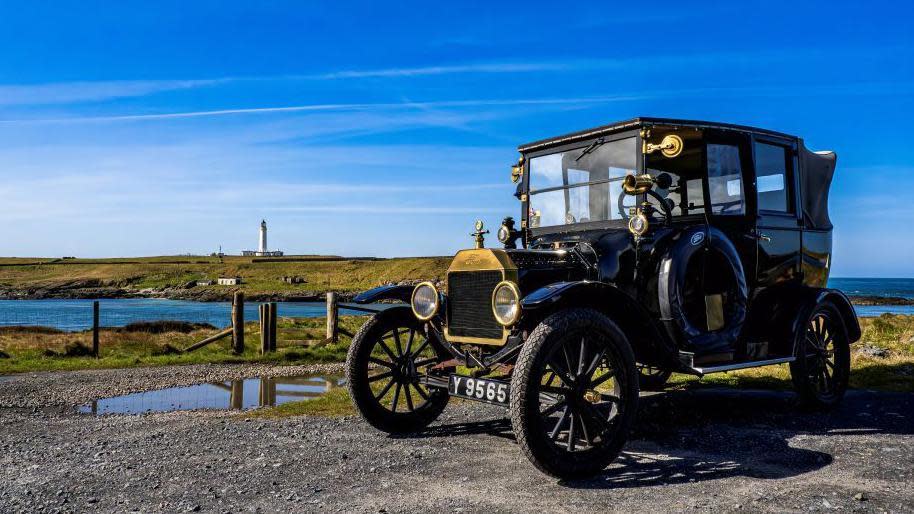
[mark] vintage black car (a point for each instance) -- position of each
(645, 247)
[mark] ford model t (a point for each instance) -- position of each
(644, 248)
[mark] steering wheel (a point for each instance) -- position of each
(664, 206)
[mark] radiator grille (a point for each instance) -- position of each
(470, 304)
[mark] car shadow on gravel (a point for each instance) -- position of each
(709, 434)
(702, 434)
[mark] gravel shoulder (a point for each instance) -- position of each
(701, 450)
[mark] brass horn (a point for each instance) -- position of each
(637, 184)
(517, 171)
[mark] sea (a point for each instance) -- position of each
(75, 315)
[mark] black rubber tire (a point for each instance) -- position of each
(655, 380)
(529, 425)
(357, 377)
(811, 350)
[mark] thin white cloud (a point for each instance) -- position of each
(504, 67)
(75, 92)
(775, 91)
(334, 107)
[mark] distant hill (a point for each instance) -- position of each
(177, 276)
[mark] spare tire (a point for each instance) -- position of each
(676, 289)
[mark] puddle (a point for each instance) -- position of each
(231, 395)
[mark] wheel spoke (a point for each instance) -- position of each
(396, 396)
(562, 373)
(380, 362)
(556, 390)
(396, 332)
(552, 409)
(421, 347)
(409, 342)
(571, 435)
(567, 360)
(581, 357)
(595, 363)
(584, 430)
(424, 362)
(558, 426)
(552, 377)
(385, 390)
(419, 390)
(603, 424)
(603, 378)
(409, 397)
(382, 376)
(384, 347)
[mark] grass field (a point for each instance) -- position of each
(299, 340)
(321, 273)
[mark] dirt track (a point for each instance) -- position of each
(699, 450)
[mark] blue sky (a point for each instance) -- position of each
(355, 128)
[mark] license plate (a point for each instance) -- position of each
(480, 389)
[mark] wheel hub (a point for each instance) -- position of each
(592, 396)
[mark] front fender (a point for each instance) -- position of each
(390, 292)
(649, 342)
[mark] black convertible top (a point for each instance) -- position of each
(816, 172)
(642, 122)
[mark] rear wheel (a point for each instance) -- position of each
(822, 367)
(574, 393)
(383, 368)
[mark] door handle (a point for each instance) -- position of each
(761, 237)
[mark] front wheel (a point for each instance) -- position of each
(574, 393)
(822, 367)
(382, 371)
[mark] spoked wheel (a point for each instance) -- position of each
(574, 393)
(651, 378)
(822, 368)
(382, 370)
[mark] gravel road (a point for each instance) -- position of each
(698, 450)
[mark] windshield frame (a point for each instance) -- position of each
(577, 145)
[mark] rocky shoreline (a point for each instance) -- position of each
(93, 289)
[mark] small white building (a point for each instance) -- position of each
(229, 281)
(262, 250)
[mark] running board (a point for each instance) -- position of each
(744, 365)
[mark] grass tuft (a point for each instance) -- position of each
(336, 403)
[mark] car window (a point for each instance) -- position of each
(581, 185)
(771, 178)
(725, 180)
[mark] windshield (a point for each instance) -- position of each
(585, 184)
(582, 185)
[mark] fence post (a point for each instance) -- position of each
(238, 323)
(273, 309)
(332, 312)
(264, 337)
(95, 316)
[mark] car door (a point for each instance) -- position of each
(728, 161)
(778, 229)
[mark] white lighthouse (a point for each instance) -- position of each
(262, 249)
(263, 238)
